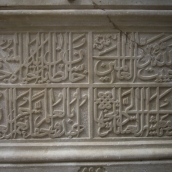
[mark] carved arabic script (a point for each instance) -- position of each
(38, 113)
(85, 85)
(45, 58)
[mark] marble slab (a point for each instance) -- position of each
(86, 86)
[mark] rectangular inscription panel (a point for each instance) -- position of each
(46, 57)
(85, 85)
(134, 111)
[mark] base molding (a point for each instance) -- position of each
(136, 166)
(48, 152)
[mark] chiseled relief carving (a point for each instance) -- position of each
(137, 105)
(85, 85)
(132, 58)
(44, 58)
(43, 113)
(136, 111)
(92, 169)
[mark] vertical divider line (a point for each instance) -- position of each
(15, 110)
(30, 107)
(20, 55)
(157, 107)
(90, 88)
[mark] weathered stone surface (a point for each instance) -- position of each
(164, 166)
(79, 88)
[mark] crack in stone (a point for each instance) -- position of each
(96, 6)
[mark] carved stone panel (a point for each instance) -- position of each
(56, 84)
(86, 86)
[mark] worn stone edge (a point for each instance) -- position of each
(84, 151)
(86, 18)
(92, 12)
(85, 164)
(85, 4)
